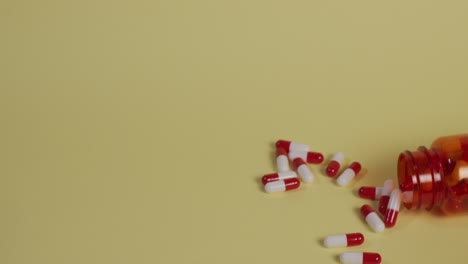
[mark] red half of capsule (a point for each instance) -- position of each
(371, 258)
(283, 144)
(269, 178)
(314, 157)
(367, 192)
(332, 168)
(354, 239)
(366, 209)
(280, 152)
(391, 218)
(297, 162)
(383, 203)
(356, 167)
(292, 183)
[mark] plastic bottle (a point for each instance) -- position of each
(436, 177)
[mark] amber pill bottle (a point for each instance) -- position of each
(436, 177)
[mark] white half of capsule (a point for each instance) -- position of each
(275, 186)
(297, 154)
(283, 175)
(345, 177)
(305, 173)
(298, 147)
(374, 221)
(335, 241)
(407, 197)
(395, 200)
(338, 157)
(352, 257)
(282, 163)
(378, 192)
(389, 186)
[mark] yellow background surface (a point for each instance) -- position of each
(137, 131)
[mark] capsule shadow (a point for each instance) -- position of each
(258, 181)
(319, 242)
(273, 157)
(337, 258)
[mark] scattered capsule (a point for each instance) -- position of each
(278, 176)
(282, 185)
(303, 170)
(348, 240)
(282, 162)
(348, 174)
(369, 192)
(360, 258)
(389, 185)
(393, 208)
(309, 157)
(334, 165)
(372, 219)
(292, 146)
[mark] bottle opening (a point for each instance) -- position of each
(420, 175)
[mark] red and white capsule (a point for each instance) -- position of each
(347, 240)
(372, 219)
(360, 258)
(292, 146)
(393, 208)
(282, 185)
(389, 186)
(347, 175)
(370, 192)
(309, 157)
(278, 176)
(335, 163)
(301, 167)
(282, 162)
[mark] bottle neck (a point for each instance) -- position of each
(421, 174)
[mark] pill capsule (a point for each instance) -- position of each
(347, 175)
(372, 219)
(309, 157)
(292, 146)
(360, 258)
(282, 185)
(334, 165)
(348, 240)
(393, 208)
(370, 192)
(278, 176)
(282, 162)
(389, 185)
(301, 167)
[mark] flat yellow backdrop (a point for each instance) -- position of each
(137, 131)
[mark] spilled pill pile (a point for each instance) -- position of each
(285, 179)
(389, 197)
